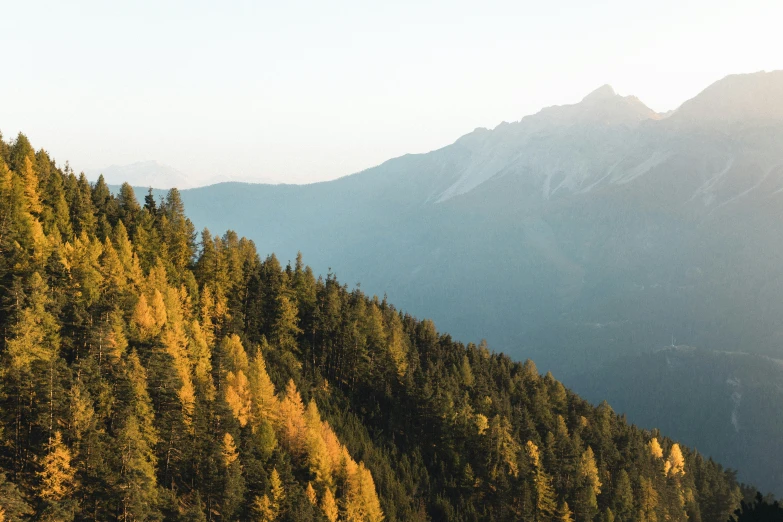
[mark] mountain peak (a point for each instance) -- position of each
(603, 106)
(604, 92)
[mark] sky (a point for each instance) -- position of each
(305, 91)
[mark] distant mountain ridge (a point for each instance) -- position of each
(159, 176)
(576, 236)
(142, 174)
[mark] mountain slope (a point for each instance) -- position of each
(573, 236)
(145, 379)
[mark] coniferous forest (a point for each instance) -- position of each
(153, 372)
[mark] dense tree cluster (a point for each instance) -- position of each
(149, 373)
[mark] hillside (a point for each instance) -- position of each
(574, 236)
(146, 376)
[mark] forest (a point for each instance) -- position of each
(153, 372)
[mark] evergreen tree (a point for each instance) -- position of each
(137, 482)
(544, 496)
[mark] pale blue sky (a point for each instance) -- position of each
(302, 91)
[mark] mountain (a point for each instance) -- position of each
(156, 175)
(739, 98)
(575, 236)
(144, 377)
(143, 174)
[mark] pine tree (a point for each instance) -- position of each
(588, 486)
(234, 483)
(286, 327)
(128, 208)
(563, 513)
(504, 447)
(12, 502)
(623, 505)
(137, 483)
(648, 501)
(544, 496)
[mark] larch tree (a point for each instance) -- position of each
(675, 463)
(329, 506)
(655, 448)
(269, 506)
(57, 477)
(265, 403)
(292, 426)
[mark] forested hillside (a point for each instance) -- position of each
(149, 373)
(584, 237)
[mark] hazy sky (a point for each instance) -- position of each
(304, 91)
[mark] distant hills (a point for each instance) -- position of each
(580, 236)
(142, 174)
(159, 176)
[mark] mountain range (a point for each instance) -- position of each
(157, 175)
(585, 237)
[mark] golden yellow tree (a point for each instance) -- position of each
(655, 448)
(238, 396)
(292, 424)
(397, 343)
(312, 497)
(588, 470)
(265, 403)
(158, 308)
(234, 354)
(269, 506)
(57, 475)
(30, 179)
(143, 319)
(329, 506)
(317, 452)
(362, 504)
(229, 452)
(200, 357)
(175, 342)
(675, 464)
